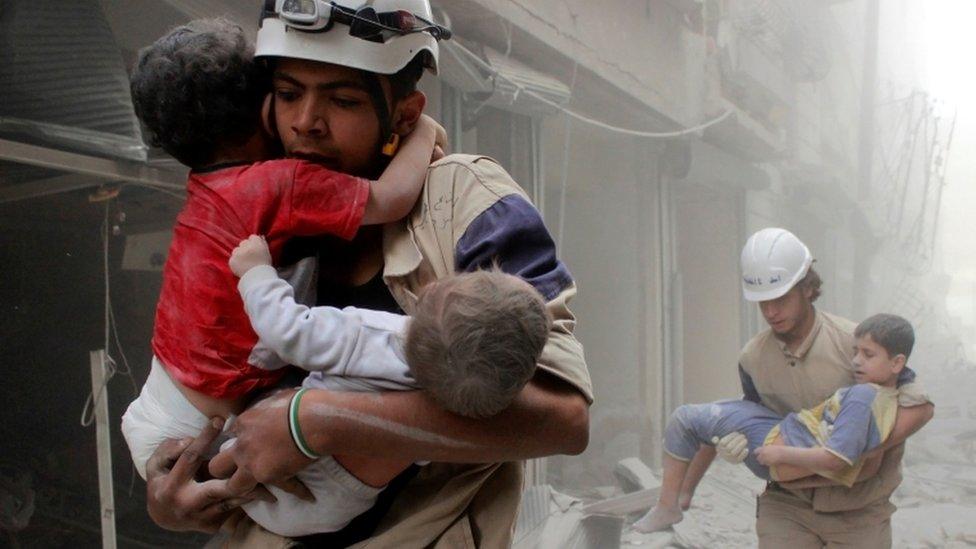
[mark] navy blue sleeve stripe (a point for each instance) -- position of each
(512, 233)
(749, 391)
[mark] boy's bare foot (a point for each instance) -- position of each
(684, 500)
(657, 519)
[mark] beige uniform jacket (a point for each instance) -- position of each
(452, 505)
(788, 382)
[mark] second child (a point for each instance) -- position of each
(832, 440)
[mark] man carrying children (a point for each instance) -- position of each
(804, 357)
(343, 95)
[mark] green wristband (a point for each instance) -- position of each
(296, 431)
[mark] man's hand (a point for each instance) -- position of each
(733, 447)
(263, 451)
(769, 455)
(176, 501)
(250, 253)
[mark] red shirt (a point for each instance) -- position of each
(202, 333)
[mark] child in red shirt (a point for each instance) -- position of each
(199, 91)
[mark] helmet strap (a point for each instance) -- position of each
(375, 90)
(270, 121)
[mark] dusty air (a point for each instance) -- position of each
(487, 273)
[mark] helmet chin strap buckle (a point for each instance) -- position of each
(391, 145)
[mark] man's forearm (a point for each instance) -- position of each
(549, 417)
(813, 481)
(869, 470)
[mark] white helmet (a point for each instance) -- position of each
(378, 36)
(773, 261)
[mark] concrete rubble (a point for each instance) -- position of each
(936, 501)
(552, 520)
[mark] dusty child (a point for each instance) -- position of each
(471, 344)
(199, 92)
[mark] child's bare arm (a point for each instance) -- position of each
(394, 194)
(809, 459)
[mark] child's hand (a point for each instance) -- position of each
(769, 455)
(437, 154)
(440, 134)
(250, 253)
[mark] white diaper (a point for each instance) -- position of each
(160, 412)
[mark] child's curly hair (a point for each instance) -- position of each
(199, 88)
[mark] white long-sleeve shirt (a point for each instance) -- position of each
(347, 349)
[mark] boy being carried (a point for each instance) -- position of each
(832, 440)
(199, 91)
(472, 345)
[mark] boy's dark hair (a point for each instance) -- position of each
(474, 340)
(199, 88)
(892, 332)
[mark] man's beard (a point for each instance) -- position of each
(788, 336)
(793, 335)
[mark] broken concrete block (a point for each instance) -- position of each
(551, 520)
(632, 475)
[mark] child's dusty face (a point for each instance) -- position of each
(872, 364)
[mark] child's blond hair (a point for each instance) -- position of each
(474, 340)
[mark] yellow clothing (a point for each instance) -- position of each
(864, 424)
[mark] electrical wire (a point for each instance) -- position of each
(586, 119)
(111, 331)
(111, 328)
(95, 395)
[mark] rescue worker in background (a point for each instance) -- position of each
(801, 359)
(345, 78)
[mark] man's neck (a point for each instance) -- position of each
(357, 262)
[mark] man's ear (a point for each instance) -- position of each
(408, 111)
(806, 292)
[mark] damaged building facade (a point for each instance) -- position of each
(654, 137)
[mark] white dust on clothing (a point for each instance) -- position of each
(326, 411)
